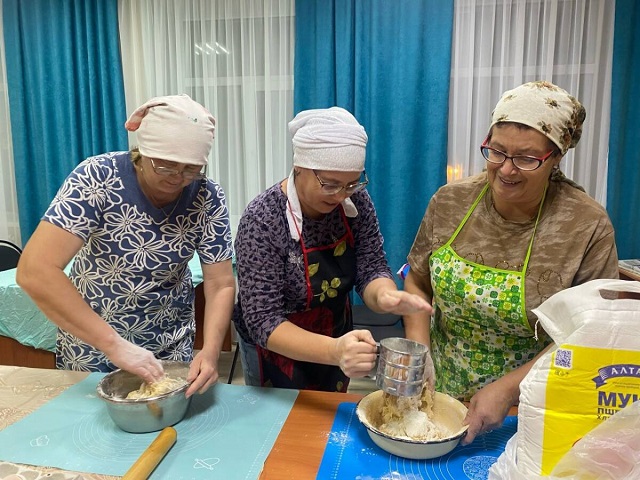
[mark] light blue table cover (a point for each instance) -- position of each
(23, 321)
(227, 434)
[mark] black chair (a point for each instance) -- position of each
(236, 354)
(381, 325)
(9, 255)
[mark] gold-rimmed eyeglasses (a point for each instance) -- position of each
(349, 188)
(190, 172)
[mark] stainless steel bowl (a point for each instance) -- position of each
(149, 414)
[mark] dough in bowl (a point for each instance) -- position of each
(148, 390)
(411, 417)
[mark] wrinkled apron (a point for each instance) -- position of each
(330, 272)
(480, 330)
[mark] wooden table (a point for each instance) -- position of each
(296, 454)
(626, 274)
(300, 446)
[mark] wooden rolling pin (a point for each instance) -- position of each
(152, 456)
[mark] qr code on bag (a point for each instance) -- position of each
(564, 358)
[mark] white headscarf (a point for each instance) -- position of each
(174, 128)
(329, 139)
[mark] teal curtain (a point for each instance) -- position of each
(66, 93)
(388, 63)
(623, 182)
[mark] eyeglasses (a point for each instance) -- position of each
(522, 162)
(189, 173)
(349, 188)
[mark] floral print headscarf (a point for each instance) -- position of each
(545, 107)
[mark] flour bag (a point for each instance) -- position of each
(591, 372)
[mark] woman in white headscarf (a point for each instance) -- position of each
(494, 246)
(301, 247)
(131, 221)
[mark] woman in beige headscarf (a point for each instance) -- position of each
(301, 247)
(494, 246)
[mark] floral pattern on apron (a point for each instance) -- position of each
(330, 276)
(480, 329)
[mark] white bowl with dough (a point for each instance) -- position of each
(448, 414)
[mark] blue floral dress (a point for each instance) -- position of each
(133, 268)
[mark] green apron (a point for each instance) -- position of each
(480, 329)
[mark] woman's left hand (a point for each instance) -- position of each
(203, 373)
(399, 302)
(488, 409)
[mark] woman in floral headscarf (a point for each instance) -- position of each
(492, 247)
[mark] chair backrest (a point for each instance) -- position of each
(9, 255)
(381, 325)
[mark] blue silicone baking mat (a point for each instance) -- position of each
(227, 433)
(351, 454)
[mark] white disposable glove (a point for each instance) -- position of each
(136, 360)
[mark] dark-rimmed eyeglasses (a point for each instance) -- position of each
(349, 188)
(189, 173)
(522, 162)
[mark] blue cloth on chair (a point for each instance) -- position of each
(23, 321)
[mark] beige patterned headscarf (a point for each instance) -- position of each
(545, 107)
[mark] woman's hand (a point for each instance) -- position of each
(203, 373)
(491, 405)
(402, 303)
(356, 353)
(488, 409)
(134, 359)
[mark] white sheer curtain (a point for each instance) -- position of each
(9, 221)
(499, 44)
(233, 56)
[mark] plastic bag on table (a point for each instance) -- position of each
(611, 451)
(506, 467)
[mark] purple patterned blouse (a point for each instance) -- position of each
(270, 265)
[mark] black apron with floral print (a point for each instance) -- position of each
(330, 275)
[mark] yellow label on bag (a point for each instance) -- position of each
(585, 386)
